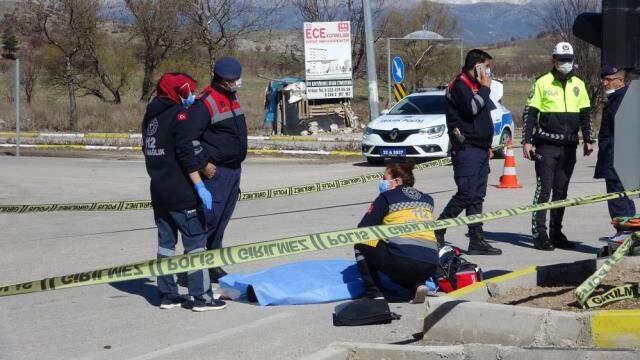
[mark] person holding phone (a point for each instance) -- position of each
(558, 106)
(468, 112)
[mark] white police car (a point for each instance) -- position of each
(416, 127)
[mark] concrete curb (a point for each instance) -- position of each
(91, 135)
(463, 316)
(355, 351)
(138, 148)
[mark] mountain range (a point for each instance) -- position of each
(480, 22)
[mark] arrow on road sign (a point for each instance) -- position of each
(397, 69)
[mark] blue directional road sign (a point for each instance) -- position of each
(397, 69)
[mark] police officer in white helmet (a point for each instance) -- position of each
(558, 106)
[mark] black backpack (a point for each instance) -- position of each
(363, 312)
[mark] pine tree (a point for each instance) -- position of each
(9, 43)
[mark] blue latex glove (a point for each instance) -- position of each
(205, 195)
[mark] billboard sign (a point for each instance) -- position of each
(327, 59)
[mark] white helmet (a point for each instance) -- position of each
(563, 50)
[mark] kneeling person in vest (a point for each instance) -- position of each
(407, 260)
(223, 136)
(558, 106)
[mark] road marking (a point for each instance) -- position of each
(212, 337)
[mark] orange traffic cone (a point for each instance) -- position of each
(509, 178)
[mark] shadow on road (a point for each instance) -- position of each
(494, 273)
(527, 241)
(511, 238)
(141, 287)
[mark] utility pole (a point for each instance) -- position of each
(16, 87)
(372, 75)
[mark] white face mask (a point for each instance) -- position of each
(610, 91)
(236, 86)
(564, 68)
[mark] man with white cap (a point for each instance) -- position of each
(558, 106)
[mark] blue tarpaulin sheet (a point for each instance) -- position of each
(307, 282)
(275, 86)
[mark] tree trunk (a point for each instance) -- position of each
(212, 58)
(73, 113)
(28, 93)
(147, 85)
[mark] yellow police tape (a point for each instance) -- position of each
(31, 134)
(251, 195)
(277, 248)
(627, 291)
(588, 286)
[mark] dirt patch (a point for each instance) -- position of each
(563, 298)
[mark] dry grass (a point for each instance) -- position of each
(49, 110)
(515, 97)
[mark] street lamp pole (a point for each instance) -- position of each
(372, 75)
(16, 88)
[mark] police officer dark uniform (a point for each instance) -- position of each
(558, 106)
(178, 205)
(470, 128)
(223, 137)
(614, 86)
(408, 260)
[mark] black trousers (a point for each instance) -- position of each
(405, 272)
(554, 167)
(619, 207)
(471, 172)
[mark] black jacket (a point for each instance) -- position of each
(170, 155)
(604, 166)
(222, 125)
(469, 110)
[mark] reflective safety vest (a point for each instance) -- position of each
(407, 205)
(559, 104)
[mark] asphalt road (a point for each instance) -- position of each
(122, 321)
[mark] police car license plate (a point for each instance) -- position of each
(394, 152)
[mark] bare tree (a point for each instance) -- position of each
(31, 69)
(158, 24)
(66, 25)
(349, 10)
(219, 24)
(441, 60)
(320, 10)
(556, 18)
(30, 52)
(107, 65)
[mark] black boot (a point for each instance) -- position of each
(439, 237)
(479, 246)
(216, 273)
(541, 241)
(560, 241)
